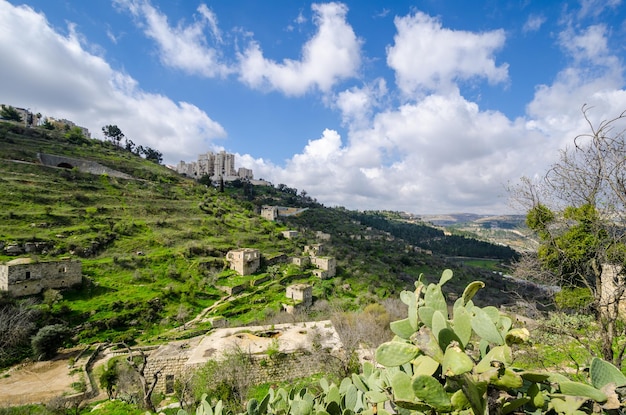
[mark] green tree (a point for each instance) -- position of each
(578, 212)
(75, 135)
(113, 133)
(47, 124)
(151, 154)
(48, 340)
(9, 113)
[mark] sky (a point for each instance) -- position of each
(431, 106)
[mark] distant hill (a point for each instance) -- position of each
(153, 246)
(509, 230)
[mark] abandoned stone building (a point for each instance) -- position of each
(303, 347)
(301, 261)
(245, 261)
(274, 212)
(301, 293)
(290, 234)
(22, 276)
(326, 264)
(269, 212)
(314, 250)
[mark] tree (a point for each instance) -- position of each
(152, 154)
(48, 340)
(75, 135)
(9, 113)
(113, 133)
(578, 212)
(47, 124)
(17, 324)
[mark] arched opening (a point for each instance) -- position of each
(65, 165)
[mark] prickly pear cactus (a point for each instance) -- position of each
(444, 360)
(462, 362)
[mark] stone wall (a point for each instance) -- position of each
(85, 166)
(613, 296)
(23, 277)
(258, 368)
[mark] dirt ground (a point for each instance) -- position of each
(38, 382)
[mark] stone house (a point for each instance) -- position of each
(245, 261)
(269, 212)
(302, 293)
(301, 261)
(327, 264)
(290, 234)
(23, 276)
(314, 250)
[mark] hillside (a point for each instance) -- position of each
(153, 246)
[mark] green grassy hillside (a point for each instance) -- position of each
(153, 247)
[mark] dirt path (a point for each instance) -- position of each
(38, 382)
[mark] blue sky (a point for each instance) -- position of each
(422, 106)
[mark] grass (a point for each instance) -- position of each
(156, 242)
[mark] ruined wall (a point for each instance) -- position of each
(613, 295)
(258, 368)
(245, 260)
(85, 166)
(21, 278)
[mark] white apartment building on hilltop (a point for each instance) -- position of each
(214, 165)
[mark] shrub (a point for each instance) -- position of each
(48, 340)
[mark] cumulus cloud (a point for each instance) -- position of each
(441, 152)
(184, 46)
(331, 55)
(428, 57)
(55, 75)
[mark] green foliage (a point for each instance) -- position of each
(9, 113)
(578, 299)
(75, 136)
(113, 133)
(459, 363)
(48, 340)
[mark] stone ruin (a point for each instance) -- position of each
(23, 276)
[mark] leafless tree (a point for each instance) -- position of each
(138, 361)
(578, 211)
(17, 324)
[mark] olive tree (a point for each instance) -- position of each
(578, 214)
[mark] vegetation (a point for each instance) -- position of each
(438, 363)
(9, 113)
(153, 254)
(577, 212)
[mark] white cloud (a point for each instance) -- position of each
(428, 57)
(56, 76)
(185, 46)
(331, 55)
(442, 152)
(533, 23)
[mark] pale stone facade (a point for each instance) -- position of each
(290, 234)
(296, 341)
(301, 261)
(302, 293)
(326, 263)
(245, 261)
(22, 276)
(314, 250)
(269, 212)
(274, 212)
(613, 290)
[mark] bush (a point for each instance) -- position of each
(577, 299)
(48, 340)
